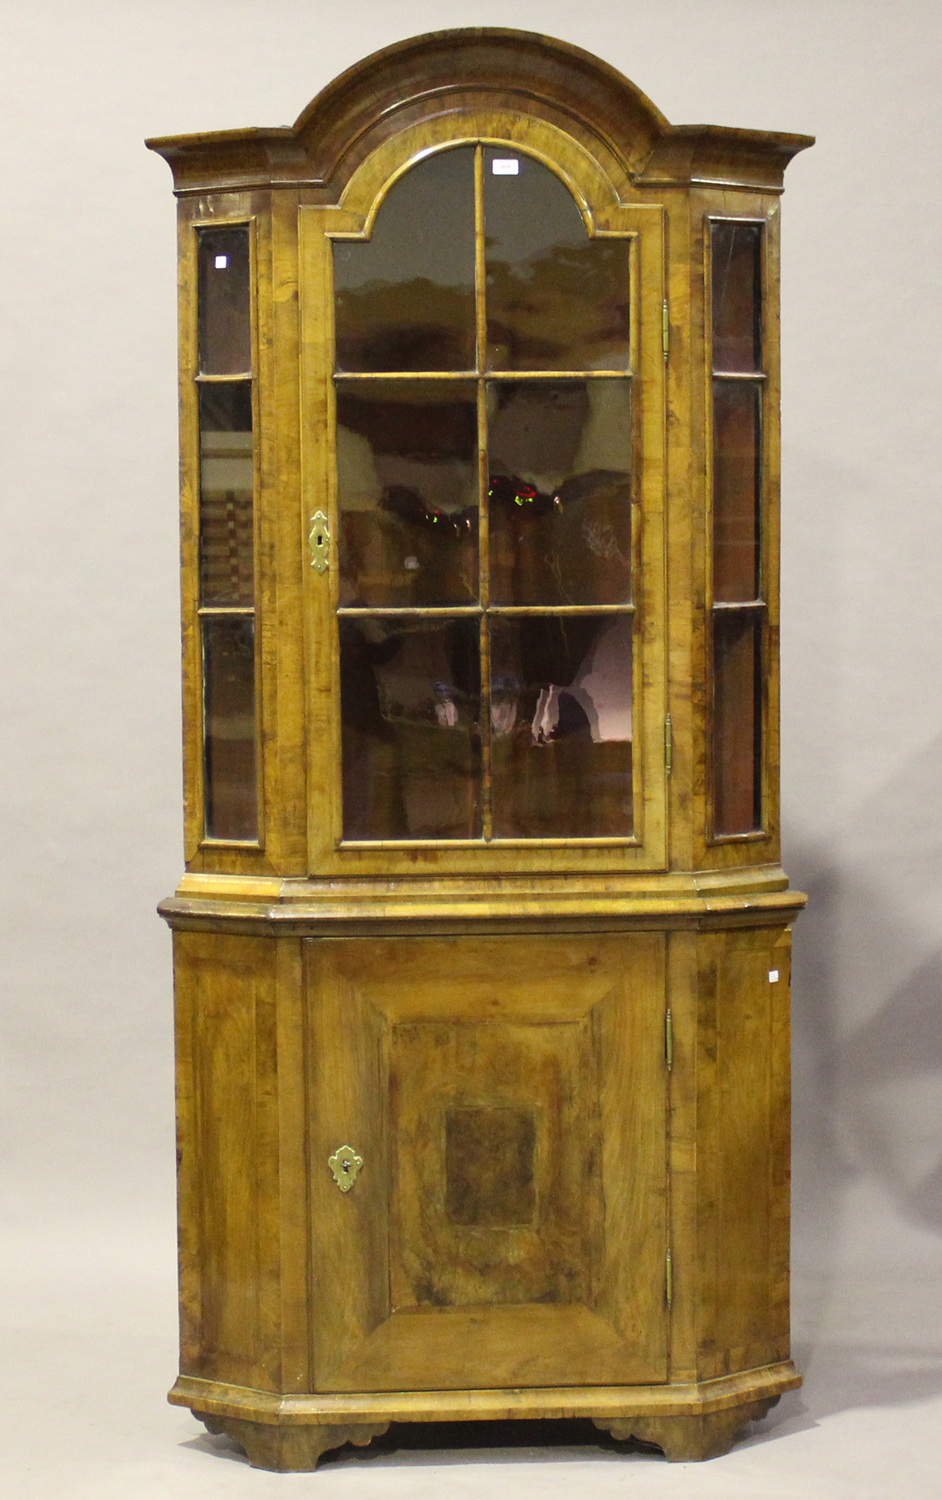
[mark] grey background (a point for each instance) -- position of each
(90, 701)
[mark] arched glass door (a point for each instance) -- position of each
(485, 475)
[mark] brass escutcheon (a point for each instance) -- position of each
(319, 541)
(345, 1166)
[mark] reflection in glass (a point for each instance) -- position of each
(227, 481)
(559, 457)
(410, 707)
(225, 320)
(736, 477)
(737, 324)
(405, 297)
(737, 722)
(407, 490)
(556, 299)
(561, 720)
(229, 726)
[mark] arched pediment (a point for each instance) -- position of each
(517, 71)
(518, 74)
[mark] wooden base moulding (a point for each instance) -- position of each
(689, 1422)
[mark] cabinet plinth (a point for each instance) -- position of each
(482, 952)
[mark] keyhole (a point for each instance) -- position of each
(345, 1166)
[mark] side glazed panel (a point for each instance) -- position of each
(507, 1096)
(228, 1155)
(734, 387)
(224, 388)
(743, 1149)
(739, 585)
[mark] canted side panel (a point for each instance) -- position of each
(507, 1098)
(685, 1155)
(743, 1150)
(228, 1174)
(290, 1297)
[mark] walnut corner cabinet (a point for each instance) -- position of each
(482, 949)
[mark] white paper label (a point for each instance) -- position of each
(505, 166)
(221, 262)
(773, 976)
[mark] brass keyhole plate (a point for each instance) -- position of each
(345, 1166)
(319, 542)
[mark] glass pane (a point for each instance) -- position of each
(225, 320)
(229, 687)
(410, 705)
(405, 297)
(407, 487)
(737, 722)
(561, 719)
(559, 457)
(556, 300)
(227, 480)
(737, 320)
(737, 453)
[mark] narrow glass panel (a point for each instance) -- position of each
(405, 297)
(736, 475)
(407, 488)
(561, 720)
(227, 481)
(737, 322)
(229, 687)
(225, 320)
(559, 457)
(737, 722)
(410, 705)
(556, 299)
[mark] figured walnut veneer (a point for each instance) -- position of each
(564, 1062)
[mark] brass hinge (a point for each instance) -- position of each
(665, 330)
(668, 746)
(669, 1039)
(669, 1280)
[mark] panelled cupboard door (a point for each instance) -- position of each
(482, 433)
(506, 1096)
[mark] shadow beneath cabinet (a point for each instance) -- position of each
(550, 1439)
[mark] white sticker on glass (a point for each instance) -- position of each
(505, 166)
(221, 262)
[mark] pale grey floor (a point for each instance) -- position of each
(88, 1343)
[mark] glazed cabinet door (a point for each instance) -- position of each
(505, 1097)
(482, 449)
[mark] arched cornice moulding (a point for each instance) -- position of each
(473, 69)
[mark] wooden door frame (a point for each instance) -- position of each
(607, 212)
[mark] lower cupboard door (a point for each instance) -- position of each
(506, 1097)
